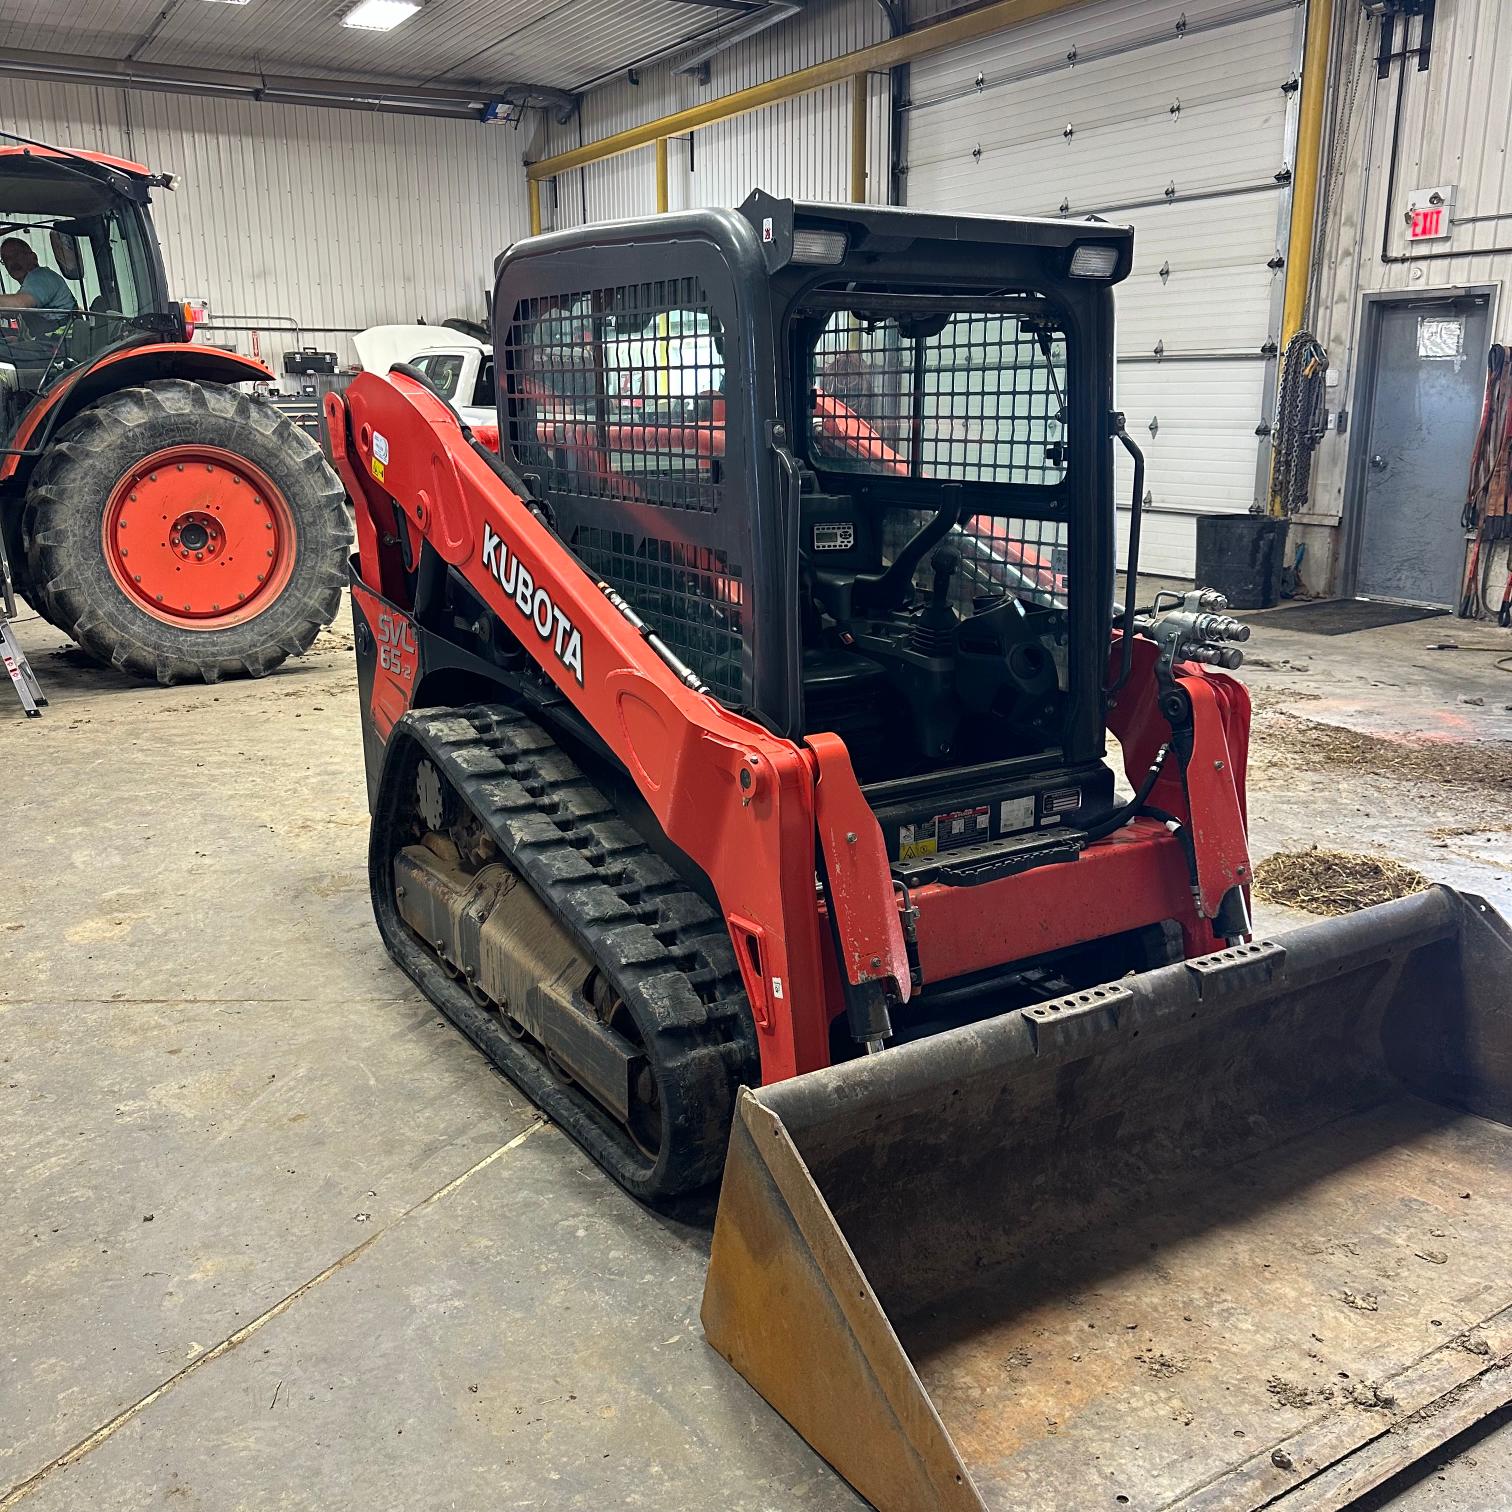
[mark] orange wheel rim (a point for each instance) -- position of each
(199, 537)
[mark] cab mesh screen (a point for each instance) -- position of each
(615, 400)
(969, 397)
(690, 595)
(618, 393)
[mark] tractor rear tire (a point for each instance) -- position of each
(185, 531)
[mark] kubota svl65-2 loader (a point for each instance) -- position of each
(744, 726)
(174, 525)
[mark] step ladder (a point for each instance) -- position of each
(28, 690)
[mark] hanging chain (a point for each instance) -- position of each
(1301, 421)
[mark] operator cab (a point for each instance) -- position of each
(82, 218)
(853, 466)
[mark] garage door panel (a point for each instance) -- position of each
(1202, 455)
(1207, 310)
(1167, 544)
(1205, 76)
(1238, 231)
(1092, 32)
(1206, 150)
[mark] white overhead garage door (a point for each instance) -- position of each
(1175, 116)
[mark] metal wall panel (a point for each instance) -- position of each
(799, 147)
(297, 217)
(93, 120)
(1456, 129)
(1175, 116)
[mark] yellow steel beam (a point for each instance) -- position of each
(859, 91)
(1304, 202)
(662, 196)
(535, 207)
(880, 56)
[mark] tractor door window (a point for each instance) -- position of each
(967, 396)
(128, 268)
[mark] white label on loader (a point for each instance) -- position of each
(380, 447)
(777, 988)
(1016, 814)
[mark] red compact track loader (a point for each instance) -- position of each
(736, 748)
(173, 525)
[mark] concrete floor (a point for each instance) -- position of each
(276, 1237)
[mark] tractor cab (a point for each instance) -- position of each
(73, 233)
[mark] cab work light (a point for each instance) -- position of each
(1092, 261)
(818, 246)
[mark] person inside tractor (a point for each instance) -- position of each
(76, 257)
(39, 288)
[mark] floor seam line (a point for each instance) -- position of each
(23, 1489)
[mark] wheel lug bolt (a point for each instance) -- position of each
(152, 477)
(181, 467)
(199, 556)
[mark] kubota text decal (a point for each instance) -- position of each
(533, 602)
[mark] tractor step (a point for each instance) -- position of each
(605, 966)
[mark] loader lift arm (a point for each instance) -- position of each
(739, 801)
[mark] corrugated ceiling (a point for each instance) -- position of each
(563, 44)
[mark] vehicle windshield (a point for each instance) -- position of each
(85, 262)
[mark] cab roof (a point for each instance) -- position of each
(102, 159)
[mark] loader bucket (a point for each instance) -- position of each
(1232, 1234)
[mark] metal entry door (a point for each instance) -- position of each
(1425, 406)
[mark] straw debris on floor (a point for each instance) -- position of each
(1308, 743)
(1334, 882)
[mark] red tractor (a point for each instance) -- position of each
(172, 524)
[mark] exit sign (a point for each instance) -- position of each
(1428, 213)
(1426, 224)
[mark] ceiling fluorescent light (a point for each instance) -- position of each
(231, 2)
(379, 15)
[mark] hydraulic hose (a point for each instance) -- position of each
(1120, 817)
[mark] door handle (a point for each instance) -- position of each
(1378, 462)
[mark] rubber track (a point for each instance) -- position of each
(663, 949)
